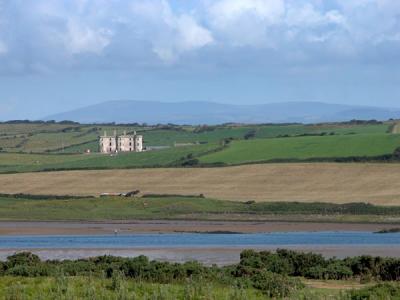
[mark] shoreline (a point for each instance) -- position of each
(206, 255)
(175, 226)
(220, 255)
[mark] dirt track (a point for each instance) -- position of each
(374, 183)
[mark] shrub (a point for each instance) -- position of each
(190, 162)
(275, 264)
(316, 272)
(379, 291)
(337, 271)
(249, 135)
(301, 262)
(275, 285)
(23, 258)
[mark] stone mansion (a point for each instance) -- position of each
(121, 143)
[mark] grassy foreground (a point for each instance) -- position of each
(87, 287)
(258, 275)
(44, 208)
(97, 288)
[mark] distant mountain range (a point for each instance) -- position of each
(128, 111)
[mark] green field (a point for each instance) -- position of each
(215, 134)
(308, 147)
(21, 162)
(180, 207)
(54, 137)
(87, 287)
(26, 147)
(76, 138)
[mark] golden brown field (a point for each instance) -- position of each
(329, 182)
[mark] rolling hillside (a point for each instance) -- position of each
(215, 113)
(52, 147)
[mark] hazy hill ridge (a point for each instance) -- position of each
(151, 112)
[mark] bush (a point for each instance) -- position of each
(275, 285)
(379, 291)
(249, 135)
(265, 270)
(22, 258)
(251, 258)
(191, 162)
(30, 271)
(337, 271)
(316, 272)
(396, 153)
(300, 261)
(276, 264)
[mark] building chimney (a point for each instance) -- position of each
(105, 133)
(124, 132)
(115, 133)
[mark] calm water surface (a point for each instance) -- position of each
(189, 240)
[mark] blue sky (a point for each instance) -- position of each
(57, 55)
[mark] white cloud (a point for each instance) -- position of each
(272, 23)
(80, 38)
(245, 22)
(171, 35)
(371, 21)
(184, 35)
(307, 15)
(227, 11)
(55, 34)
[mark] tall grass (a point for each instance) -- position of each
(14, 288)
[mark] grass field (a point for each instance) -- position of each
(49, 137)
(186, 208)
(86, 287)
(334, 146)
(97, 288)
(26, 147)
(73, 138)
(22, 162)
(308, 182)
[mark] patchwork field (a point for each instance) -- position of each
(30, 147)
(326, 182)
(76, 138)
(22, 162)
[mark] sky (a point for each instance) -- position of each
(57, 55)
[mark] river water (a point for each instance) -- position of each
(193, 240)
(208, 248)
